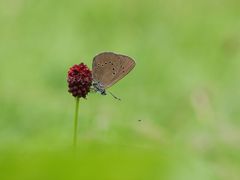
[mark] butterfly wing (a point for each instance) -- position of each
(126, 65)
(108, 68)
(105, 67)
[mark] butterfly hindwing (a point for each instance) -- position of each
(126, 65)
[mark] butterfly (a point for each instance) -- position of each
(108, 68)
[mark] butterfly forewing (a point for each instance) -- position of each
(105, 67)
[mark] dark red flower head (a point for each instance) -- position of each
(79, 80)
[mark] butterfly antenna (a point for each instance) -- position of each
(114, 96)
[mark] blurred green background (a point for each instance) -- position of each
(185, 90)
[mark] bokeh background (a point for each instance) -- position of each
(179, 114)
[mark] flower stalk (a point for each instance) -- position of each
(75, 123)
(79, 81)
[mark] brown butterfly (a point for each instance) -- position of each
(108, 68)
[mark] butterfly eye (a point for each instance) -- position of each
(105, 62)
(113, 73)
(102, 65)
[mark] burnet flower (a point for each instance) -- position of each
(79, 80)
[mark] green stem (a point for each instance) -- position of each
(75, 124)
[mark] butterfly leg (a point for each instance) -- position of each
(97, 87)
(114, 96)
